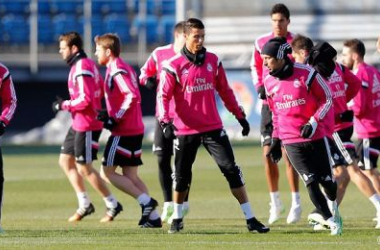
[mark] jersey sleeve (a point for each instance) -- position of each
(8, 98)
(322, 93)
(148, 70)
(256, 68)
(352, 84)
(165, 93)
(85, 92)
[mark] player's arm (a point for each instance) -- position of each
(165, 93)
(148, 73)
(256, 66)
(353, 83)
(85, 83)
(8, 99)
(322, 92)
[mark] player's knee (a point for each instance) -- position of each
(181, 184)
(85, 170)
(234, 176)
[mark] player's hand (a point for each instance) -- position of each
(244, 123)
(102, 115)
(109, 124)
(151, 82)
(261, 94)
(308, 130)
(168, 129)
(57, 105)
(275, 152)
(2, 127)
(347, 116)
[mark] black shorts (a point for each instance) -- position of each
(310, 160)
(123, 151)
(266, 125)
(161, 145)
(338, 153)
(83, 145)
(368, 152)
(345, 136)
(218, 146)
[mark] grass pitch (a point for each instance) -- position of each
(38, 200)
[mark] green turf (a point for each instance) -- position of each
(38, 200)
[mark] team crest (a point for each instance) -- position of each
(209, 67)
(297, 83)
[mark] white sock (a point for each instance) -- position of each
(154, 215)
(83, 199)
(185, 205)
(177, 213)
(295, 199)
(143, 199)
(375, 199)
(247, 210)
(275, 198)
(110, 201)
(167, 204)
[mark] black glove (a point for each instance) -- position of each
(2, 127)
(57, 105)
(168, 129)
(151, 82)
(347, 116)
(244, 123)
(261, 93)
(275, 152)
(307, 130)
(108, 122)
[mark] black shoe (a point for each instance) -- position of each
(254, 225)
(157, 223)
(146, 210)
(112, 213)
(81, 213)
(176, 226)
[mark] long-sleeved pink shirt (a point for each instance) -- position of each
(85, 88)
(193, 88)
(123, 98)
(258, 70)
(366, 104)
(153, 67)
(7, 95)
(295, 100)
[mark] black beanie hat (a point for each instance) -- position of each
(277, 47)
(321, 52)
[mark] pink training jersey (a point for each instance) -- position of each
(193, 89)
(295, 100)
(366, 104)
(344, 86)
(258, 70)
(85, 88)
(7, 95)
(153, 67)
(123, 98)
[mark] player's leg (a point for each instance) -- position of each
(67, 164)
(368, 153)
(293, 180)
(271, 168)
(219, 147)
(86, 149)
(163, 148)
(1, 188)
(186, 147)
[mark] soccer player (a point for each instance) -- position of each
(300, 99)
(123, 118)
(162, 147)
(366, 108)
(81, 143)
(344, 86)
(280, 17)
(192, 78)
(8, 108)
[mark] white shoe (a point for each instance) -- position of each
(167, 211)
(275, 212)
(337, 218)
(316, 218)
(335, 228)
(320, 227)
(294, 214)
